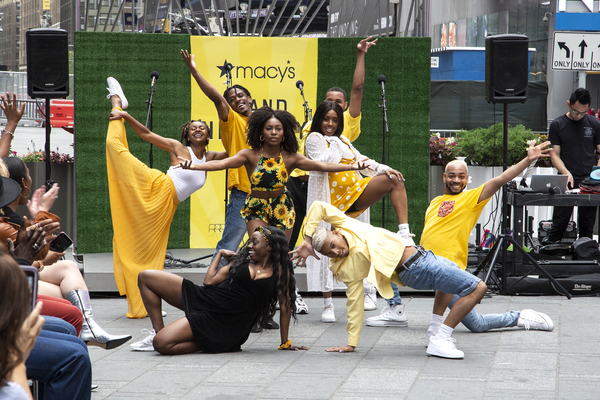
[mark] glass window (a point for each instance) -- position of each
(492, 24)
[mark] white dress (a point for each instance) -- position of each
(319, 277)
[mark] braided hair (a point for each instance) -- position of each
(184, 132)
(257, 121)
(283, 270)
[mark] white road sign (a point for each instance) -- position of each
(578, 51)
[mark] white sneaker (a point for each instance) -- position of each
(530, 319)
(114, 88)
(146, 344)
(328, 314)
(407, 238)
(301, 307)
(390, 316)
(443, 347)
(430, 333)
(371, 299)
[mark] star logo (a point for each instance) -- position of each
(225, 68)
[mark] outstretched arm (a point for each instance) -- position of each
(167, 144)
(299, 161)
(493, 185)
(358, 82)
(236, 161)
(13, 116)
(209, 90)
(285, 316)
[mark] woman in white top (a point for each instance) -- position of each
(143, 200)
(348, 191)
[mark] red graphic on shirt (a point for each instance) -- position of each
(446, 208)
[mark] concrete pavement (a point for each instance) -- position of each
(390, 363)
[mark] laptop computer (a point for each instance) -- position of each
(549, 184)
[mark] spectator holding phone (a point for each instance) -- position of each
(59, 279)
(18, 332)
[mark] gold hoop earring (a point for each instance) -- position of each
(283, 140)
(262, 138)
(28, 193)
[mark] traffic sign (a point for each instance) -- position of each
(577, 51)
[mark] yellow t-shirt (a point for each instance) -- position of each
(351, 131)
(449, 220)
(233, 136)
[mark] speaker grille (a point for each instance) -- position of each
(506, 68)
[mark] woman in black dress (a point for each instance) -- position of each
(220, 314)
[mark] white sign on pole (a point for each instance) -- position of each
(576, 51)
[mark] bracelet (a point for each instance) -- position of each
(9, 132)
(285, 345)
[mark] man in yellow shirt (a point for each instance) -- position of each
(358, 250)
(449, 220)
(234, 109)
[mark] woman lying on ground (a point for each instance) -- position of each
(220, 314)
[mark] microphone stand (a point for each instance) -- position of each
(385, 150)
(149, 119)
(307, 111)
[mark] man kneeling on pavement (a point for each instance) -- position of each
(358, 250)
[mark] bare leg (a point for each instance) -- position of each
(176, 338)
(64, 274)
(115, 101)
(465, 304)
(378, 187)
(441, 302)
(157, 285)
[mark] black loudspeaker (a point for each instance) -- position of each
(47, 63)
(506, 68)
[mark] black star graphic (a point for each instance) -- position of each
(224, 68)
(288, 61)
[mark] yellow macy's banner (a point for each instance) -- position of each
(269, 68)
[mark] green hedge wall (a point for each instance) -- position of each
(406, 64)
(130, 58)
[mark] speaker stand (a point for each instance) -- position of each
(505, 239)
(47, 146)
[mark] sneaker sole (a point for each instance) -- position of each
(327, 321)
(144, 349)
(388, 324)
(302, 312)
(436, 353)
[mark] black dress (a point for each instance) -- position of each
(222, 316)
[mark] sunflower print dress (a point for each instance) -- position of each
(270, 174)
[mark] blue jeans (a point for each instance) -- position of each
(396, 299)
(431, 272)
(481, 323)
(235, 226)
(61, 365)
(55, 324)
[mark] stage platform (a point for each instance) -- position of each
(99, 276)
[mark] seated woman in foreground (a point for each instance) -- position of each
(220, 314)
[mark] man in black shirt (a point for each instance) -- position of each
(575, 137)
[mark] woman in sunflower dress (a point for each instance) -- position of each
(348, 191)
(271, 135)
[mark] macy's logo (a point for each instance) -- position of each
(260, 72)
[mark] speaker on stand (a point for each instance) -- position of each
(47, 72)
(506, 77)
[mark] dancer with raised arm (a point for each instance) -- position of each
(143, 200)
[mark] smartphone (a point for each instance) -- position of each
(49, 183)
(61, 243)
(32, 282)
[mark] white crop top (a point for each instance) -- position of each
(187, 181)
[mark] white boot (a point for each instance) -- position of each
(91, 332)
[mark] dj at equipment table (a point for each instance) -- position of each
(518, 200)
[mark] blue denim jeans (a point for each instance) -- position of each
(396, 299)
(55, 324)
(235, 226)
(61, 365)
(482, 323)
(431, 272)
